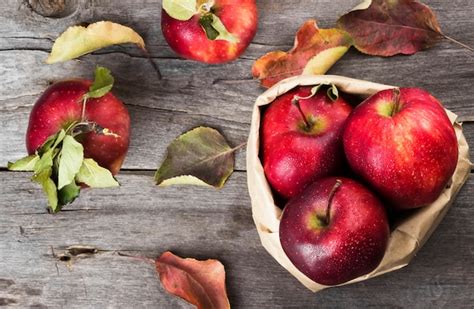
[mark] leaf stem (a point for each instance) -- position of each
(239, 146)
(459, 43)
(140, 258)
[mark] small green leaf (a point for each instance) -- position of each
(215, 29)
(332, 92)
(180, 9)
(315, 89)
(49, 187)
(206, 23)
(52, 142)
(25, 164)
(68, 194)
(103, 83)
(200, 156)
(72, 154)
(45, 162)
(95, 176)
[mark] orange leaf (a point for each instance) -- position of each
(387, 28)
(315, 51)
(201, 283)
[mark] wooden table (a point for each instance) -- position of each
(142, 219)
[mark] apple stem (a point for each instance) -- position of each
(87, 127)
(396, 98)
(83, 114)
(296, 102)
(206, 6)
(331, 197)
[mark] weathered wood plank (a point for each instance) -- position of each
(202, 223)
(161, 110)
(195, 94)
(145, 220)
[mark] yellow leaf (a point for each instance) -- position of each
(184, 180)
(323, 61)
(314, 52)
(77, 40)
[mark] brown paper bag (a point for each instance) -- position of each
(406, 238)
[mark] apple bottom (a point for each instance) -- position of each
(335, 231)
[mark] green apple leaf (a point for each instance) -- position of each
(215, 29)
(68, 193)
(199, 157)
(48, 151)
(58, 164)
(95, 176)
(77, 40)
(25, 164)
(331, 92)
(103, 83)
(52, 142)
(180, 9)
(45, 162)
(71, 156)
(49, 187)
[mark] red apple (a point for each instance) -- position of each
(335, 231)
(189, 39)
(61, 104)
(296, 154)
(403, 144)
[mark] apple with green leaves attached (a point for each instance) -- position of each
(403, 144)
(78, 134)
(212, 31)
(302, 138)
(335, 231)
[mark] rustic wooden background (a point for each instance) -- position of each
(142, 219)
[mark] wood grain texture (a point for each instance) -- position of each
(204, 224)
(144, 220)
(193, 94)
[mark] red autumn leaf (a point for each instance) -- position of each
(387, 28)
(314, 52)
(201, 283)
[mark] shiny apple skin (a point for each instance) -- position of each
(408, 158)
(293, 158)
(61, 104)
(352, 244)
(189, 40)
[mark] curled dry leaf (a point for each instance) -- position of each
(201, 283)
(315, 51)
(77, 40)
(387, 28)
(198, 157)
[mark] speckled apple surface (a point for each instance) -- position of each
(188, 39)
